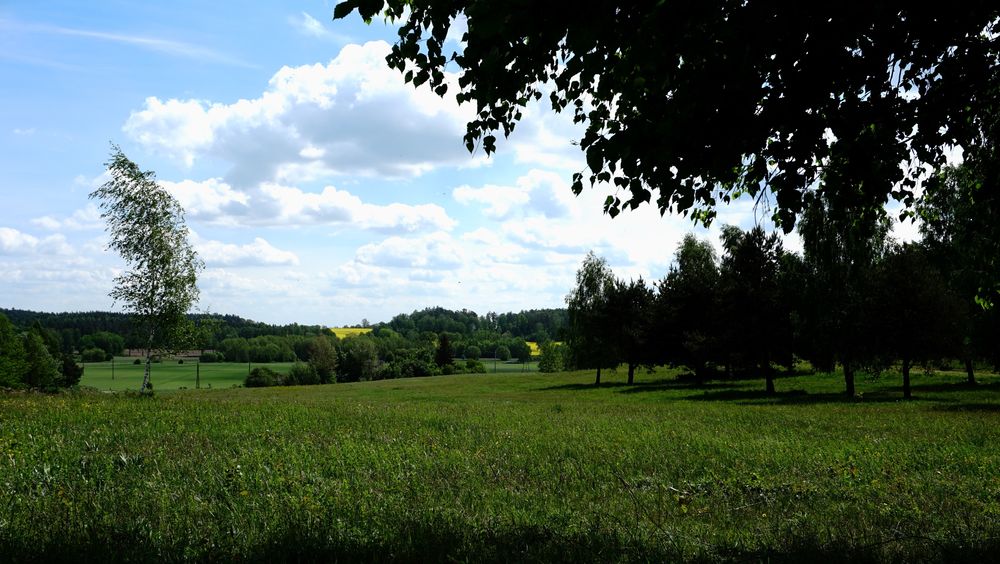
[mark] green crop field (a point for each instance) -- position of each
(508, 467)
(168, 375)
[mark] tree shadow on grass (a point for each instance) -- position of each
(794, 397)
(981, 407)
(962, 386)
(650, 386)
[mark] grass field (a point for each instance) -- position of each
(168, 375)
(507, 468)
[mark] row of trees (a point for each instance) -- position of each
(854, 298)
(535, 325)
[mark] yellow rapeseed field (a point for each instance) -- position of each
(342, 332)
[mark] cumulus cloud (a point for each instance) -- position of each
(537, 192)
(14, 242)
(215, 202)
(257, 253)
(436, 251)
(88, 217)
(352, 116)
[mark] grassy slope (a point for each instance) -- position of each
(507, 467)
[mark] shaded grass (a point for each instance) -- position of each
(506, 467)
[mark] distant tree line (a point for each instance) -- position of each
(34, 358)
(854, 299)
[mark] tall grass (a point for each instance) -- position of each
(506, 467)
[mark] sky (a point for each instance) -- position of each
(317, 186)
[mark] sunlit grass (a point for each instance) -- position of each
(507, 467)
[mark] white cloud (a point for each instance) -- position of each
(352, 116)
(14, 242)
(88, 217)
(311, 27)
(215, 202)
(435, 251)
(258, 253)
(23, 131)
(159, 45)
(537, 192)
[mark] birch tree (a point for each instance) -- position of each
(146, 228)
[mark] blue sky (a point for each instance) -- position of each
(318, 187)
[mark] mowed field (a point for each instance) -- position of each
(509, 467)
(169, 375)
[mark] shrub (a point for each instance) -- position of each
(94, 355)
(474, 367)
(472, 352)
(209, 357)
(503, 353)
(301, 374)
(448, 369)
(262, 377)
(180, 361)
(137, 361)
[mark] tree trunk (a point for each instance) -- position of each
(970, 373)
(597, 382)
(768, 374)
(849, 378)
(146, 386)
(906, 378)
(631, 374)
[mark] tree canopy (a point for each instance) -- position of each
(145, 226)
(688, 104)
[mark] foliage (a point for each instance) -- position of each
(13, 364)
(112, 344)
(757, 317)
(502, 353)
(687, 308)
(472, 352)
(443, 354)
(301, 374)
(323, 359)
(263, 377)
(686, 104)
(42, 371)
(474, 367)
(357, 359)
(70, 372)
(589, 326)
(94, 355)
(146, 228)
(551, 358)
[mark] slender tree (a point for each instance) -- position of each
(146, 228)
(757, 320)
(590, 332)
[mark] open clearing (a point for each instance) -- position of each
(169, 375)
(507, 467)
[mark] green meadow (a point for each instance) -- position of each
(507, 467)
(169, 375)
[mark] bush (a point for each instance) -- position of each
(472, 352)
(503, 353)
(301, 374)
(180, 361)
(261, 377)
(448, 369)
(94, 355)
(209, 357)
(474, 367)
(137, 361)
